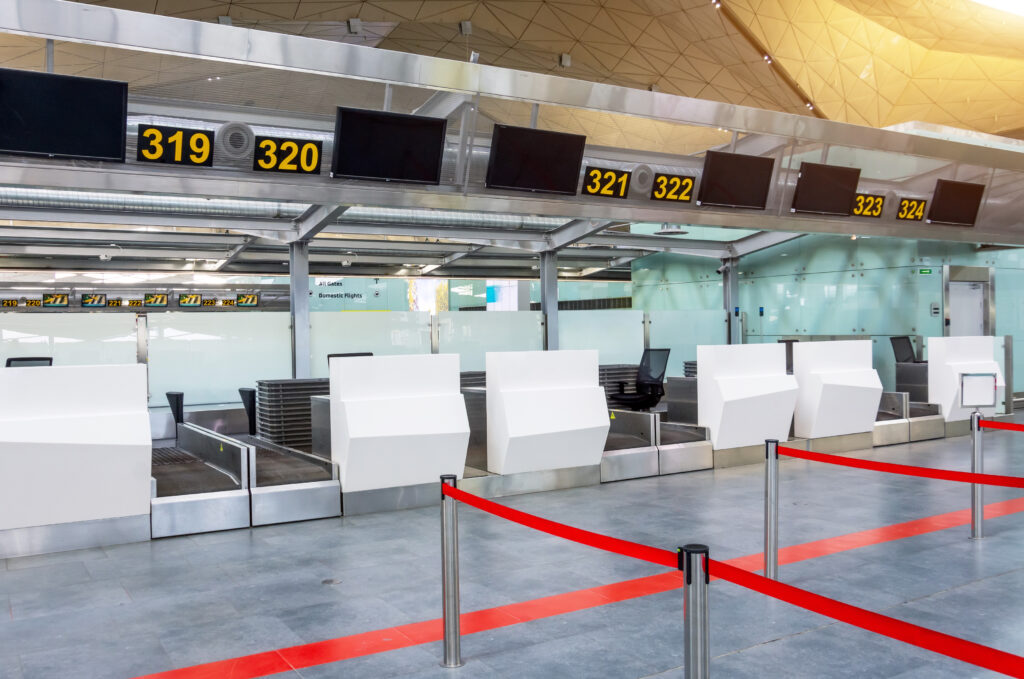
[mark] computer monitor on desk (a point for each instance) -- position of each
(903, 350)
(28, 361)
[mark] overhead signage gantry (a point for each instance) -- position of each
(402, 148)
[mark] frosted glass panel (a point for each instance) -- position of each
(71, 339)
(209, 356)
(471, 334)
(682, 331)
(379, 332)
(618, 335)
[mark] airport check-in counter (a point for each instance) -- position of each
(392, 425)
(948, 359)
(75, 454)
(900, 420)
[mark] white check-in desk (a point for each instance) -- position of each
(744, 397)
(950, 357)
(397, 423)
(545, 412)
(839, 394)
(75, 455)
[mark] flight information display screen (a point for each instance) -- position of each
(388, 146)
(956, 203)
(60, 116)
(826, 189)
(735, 180)
(525, 159)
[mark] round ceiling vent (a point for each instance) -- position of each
(642, 179)
(235, 140)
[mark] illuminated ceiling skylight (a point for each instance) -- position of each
(1011, 6)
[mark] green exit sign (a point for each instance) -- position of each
(924, 271)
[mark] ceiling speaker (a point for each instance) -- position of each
(235, 141)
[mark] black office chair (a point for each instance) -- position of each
(903, 349)
(28, 361)
(650, 382)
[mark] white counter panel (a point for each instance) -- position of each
(74, 444)
(545, 410)
(744, 395)
(950, 357)
(397, 420)
(839, 390)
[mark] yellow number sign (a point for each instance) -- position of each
(606, 183)
(911, 209)
(276, 154)
(867, 205)
(672, 187)
(176, 146)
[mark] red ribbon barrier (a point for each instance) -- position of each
(1008, 426)
(922, 637)
(662, 557)
(905, 469)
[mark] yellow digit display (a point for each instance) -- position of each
(135, 302)
(114, 302)
(227, 302)
(867, 205)
(209, 301)
(672, 187)
(176, 146)
(911, 209)
(277, 154)
(33, 302)
(605, 183)
(8, 302)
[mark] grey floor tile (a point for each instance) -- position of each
(111, 659)
(86, 596)
(195, 644)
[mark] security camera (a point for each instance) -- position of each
(720, 270)
(105, 257)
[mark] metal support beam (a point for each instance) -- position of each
(575, 231)
(445, 261)
(760, 241)
(298, 286)
(316, 219)
(731, 297)
(549, 297)
(49, 56)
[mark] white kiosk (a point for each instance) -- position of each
(75, 456)
(744, 396)
(839, 390)
(948, 359)
(545, 411)
(396, 422)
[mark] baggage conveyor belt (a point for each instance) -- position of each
(278, 465)
(178, 472)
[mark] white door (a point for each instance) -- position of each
(966, 309)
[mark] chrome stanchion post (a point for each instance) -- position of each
(693, 562)
(450, 575)
(977, 489)
(771, 509)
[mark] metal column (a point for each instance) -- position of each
(450, 576)
(696, 628)
(771, 509)
(549, 297)
(977, 490)
(298, 287)
(731, 297)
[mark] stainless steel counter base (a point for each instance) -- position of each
(62, 537)
(957, 428)
(390, 499)
(630, 463)
(675, 458)
(295, 502)
(734, 457)
(891, 432)
(927, 428)
(841, 444)
(200, 513)
(494, 485)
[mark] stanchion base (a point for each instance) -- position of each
(452, 667)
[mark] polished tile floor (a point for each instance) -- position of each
(136, 609)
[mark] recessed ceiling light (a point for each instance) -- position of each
(670, 230)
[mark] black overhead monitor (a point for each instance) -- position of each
(956, 203)
(28, 361)
(525, 159)
(388, 146)
(735, 180)
(826, 189)
(61, 116)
